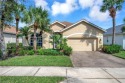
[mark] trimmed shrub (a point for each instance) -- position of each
(39, 47)
(11, 51)
(13, 45)
(30, 52)
(67, 50)
(21, 52)
(40, 52)
(111, 49)
(27, 47)
(52, 52)
(0, 53)
(48, 52)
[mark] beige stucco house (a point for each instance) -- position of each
(81, 36)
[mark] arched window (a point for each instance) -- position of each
(39, 39)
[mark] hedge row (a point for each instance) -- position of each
(111, 49)
(28, 50)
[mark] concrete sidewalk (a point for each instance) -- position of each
(74, 75)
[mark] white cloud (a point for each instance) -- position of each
(42, 3)
(86, 3)
(89, 3)
(71, 5)
(97, 15)
(94, 6)
(64, 8)
(98, 2)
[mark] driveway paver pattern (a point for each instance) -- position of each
(96, 59)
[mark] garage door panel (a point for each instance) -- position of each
(82, 44)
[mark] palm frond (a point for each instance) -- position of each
(107, 4)
(38, 16)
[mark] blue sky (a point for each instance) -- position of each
(75, 10)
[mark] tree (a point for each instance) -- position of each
(25, 31)
(5, 18)
(112, 6)
(17, 13)
(35, 17)
(56, 40)
(44, 27)
(45, 22)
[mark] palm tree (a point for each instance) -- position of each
(35, 17)
(17, 13)
(45, 22)
(57, 40)
(44, 25)
(25, 31)
(5, 18)
(112, 6)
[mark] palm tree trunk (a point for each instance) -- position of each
(35, 39)
(113, 31)
(2, 43)
(17, 40)
(27, 41)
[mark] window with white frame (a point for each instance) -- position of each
(39, 39)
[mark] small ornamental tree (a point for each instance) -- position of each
(25, 31)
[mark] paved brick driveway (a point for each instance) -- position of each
(96, 59)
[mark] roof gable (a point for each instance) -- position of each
(67, 23)
(85, 22)
(9, 29)
(58, 23)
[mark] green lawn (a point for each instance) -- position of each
(120, 54)
(12, 79)
(38, 61)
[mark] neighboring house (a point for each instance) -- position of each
(81, 36)
(119, 36)
(10, 35)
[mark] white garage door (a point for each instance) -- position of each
(82, 44)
